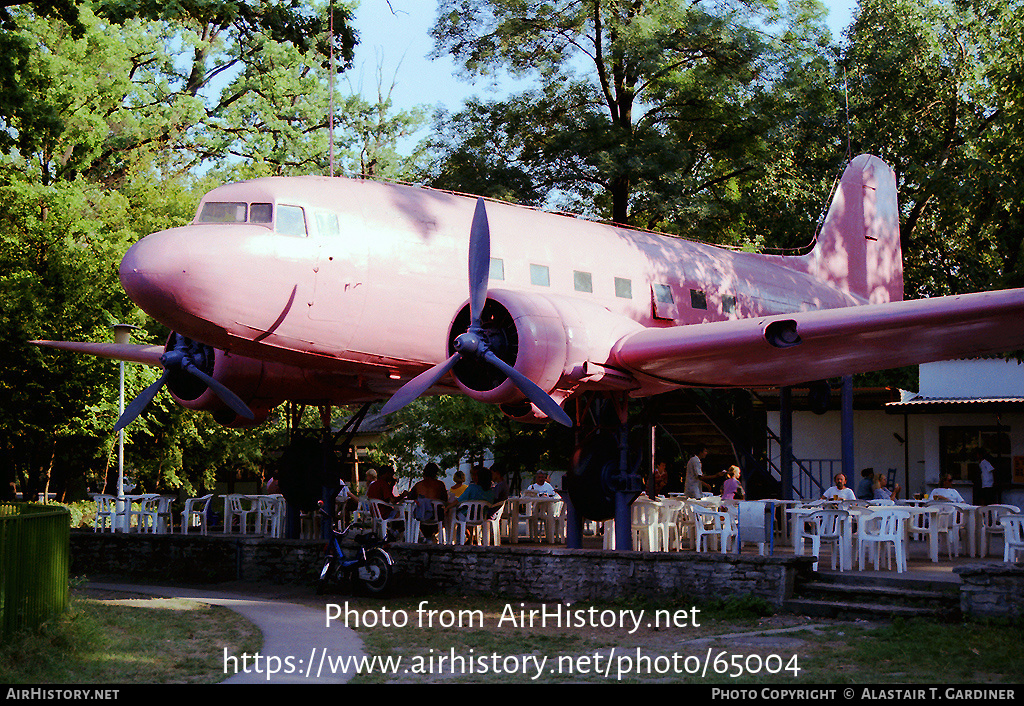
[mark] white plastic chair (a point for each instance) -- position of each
(234, 508)
(951, 522)
(383, 514)
(826, 527)
(884, 525)
(671, 530)
(1013, 541)
(158, 511)
(106, 508)
(492, 526)
(148, 506)
(270, 511)
(430, 513)
(711, 523)
(196, 514)
(471, 513)
(988, 517)
(645, 516)
(550, 516)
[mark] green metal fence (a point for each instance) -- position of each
(35, 549)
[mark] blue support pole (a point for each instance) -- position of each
(786, 436)
(847, 429)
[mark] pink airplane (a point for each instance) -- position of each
(338, 291)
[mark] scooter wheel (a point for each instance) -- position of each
(326, 575)
(376, 575)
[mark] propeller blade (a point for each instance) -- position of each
(479, 262)
(418, 385)
(136, 406)
(226, 396)
(543, 400)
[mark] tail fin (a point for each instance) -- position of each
(858, 248)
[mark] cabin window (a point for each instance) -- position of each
(223, 212)
(261, 213)
(698, 300)
(326, 223)
(728, 303)
(539, 275)
(583, 281)
(664, 302)
(290, 221)
(497, 268)
(623, 288)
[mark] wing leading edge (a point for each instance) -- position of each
(796, 348)
(130, 352)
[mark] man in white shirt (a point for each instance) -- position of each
(541, 486)
(947, 491)
(838, 490)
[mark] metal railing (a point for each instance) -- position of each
(35, 556)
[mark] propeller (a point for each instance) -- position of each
(474, 343)
(181, 358)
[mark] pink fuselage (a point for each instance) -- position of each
(363, 309)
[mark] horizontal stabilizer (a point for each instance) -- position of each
(796, 348)
(147, 354)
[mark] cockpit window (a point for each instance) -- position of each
(290, 221)
(261, 213)
(223, 212)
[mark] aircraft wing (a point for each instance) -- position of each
(790, 349)
(131, 352)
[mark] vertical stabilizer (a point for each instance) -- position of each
(858, 248)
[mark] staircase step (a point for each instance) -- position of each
(853, 610)
(874, 597)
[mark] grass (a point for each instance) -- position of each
(176, 641)
(736, 642)
(153, 641)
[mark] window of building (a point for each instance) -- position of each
(583, 281)
(698, 300)
(957, 447)
(497, 268)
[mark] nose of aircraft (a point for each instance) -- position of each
(155, 269)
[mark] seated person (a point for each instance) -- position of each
(880, 491)
(479, 489)
(838, 489)
(540, 485)
(499, 486)
(458, 486)
(947, 492)
(865, 488)
(731, 489)
(425, 493)
(384, 489)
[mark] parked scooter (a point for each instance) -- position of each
(368, 566)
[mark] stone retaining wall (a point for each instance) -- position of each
(537, 573)
(992, 590)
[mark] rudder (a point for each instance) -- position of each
(858, 248)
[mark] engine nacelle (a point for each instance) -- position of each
(554, 341)
(261, 385)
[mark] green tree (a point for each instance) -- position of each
(935, 90)
(658, 114)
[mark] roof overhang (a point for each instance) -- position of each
(935, 405)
